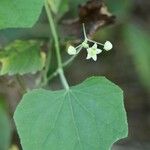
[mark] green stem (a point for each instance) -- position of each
(69, 61)
(63, 78)
(44, 78)
(95, 42)
(85, 36)
(56, 41)
(66, 63)
(54, 74)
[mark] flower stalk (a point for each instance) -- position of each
(93, 51)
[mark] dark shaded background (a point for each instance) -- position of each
(126, 65)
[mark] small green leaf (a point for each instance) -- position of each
(19, 13)
(90, 116)
(5, 130)
(138, 42)
(21, 57)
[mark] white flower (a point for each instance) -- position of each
(72, 50)
(92, 52)
(108, 46)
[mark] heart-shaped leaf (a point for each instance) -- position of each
(89, 116)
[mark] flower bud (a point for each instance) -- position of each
(72, 50)
(108, 46)
(85, 44)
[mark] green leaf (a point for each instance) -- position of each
(89, 116)
(5, 130)
(22, 57)
(19, 13)
(59, 7)
(138, 42)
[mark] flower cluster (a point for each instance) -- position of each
(92, 51)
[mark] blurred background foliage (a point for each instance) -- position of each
(5, 127)
(128, 65)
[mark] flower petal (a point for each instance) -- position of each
(98, 51)
(94, 57)
(89, 49)
(88, 56)
(94, 46)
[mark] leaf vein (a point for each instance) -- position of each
(75, 126)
